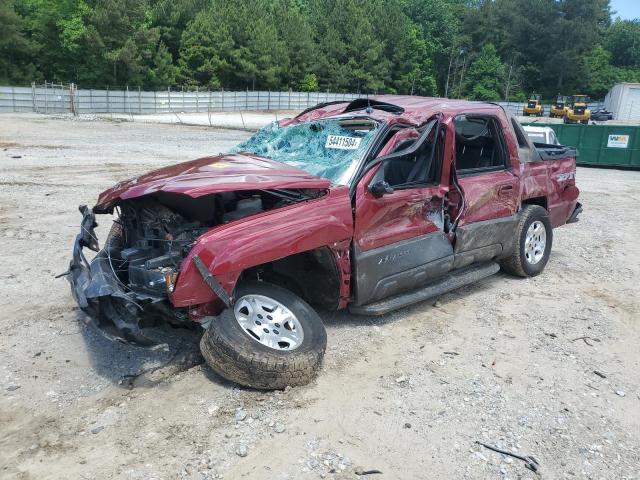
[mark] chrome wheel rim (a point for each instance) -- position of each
(535, 242)
(268, 322)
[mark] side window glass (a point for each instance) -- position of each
(398, 141)
(412, 166)
(480, 145)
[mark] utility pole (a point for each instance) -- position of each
(464, 64)
(506, 90)
(446, 87)
(454, 75)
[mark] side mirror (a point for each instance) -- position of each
(379, 189)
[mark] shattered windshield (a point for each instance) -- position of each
(326, 148)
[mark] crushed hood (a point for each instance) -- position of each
(221, 173)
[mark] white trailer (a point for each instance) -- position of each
(624, 101)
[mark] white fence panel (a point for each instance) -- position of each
(61, 99)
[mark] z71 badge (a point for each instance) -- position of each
(392, 257)
(563, 177)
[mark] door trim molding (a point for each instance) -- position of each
(399, 266)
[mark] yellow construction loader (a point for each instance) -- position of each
(534, 106)
(559, 107)
(578, 111)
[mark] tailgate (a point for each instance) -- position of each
(553, 177)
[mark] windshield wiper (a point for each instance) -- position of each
(289, 195)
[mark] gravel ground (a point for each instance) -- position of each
(547, 367)
(251, 120)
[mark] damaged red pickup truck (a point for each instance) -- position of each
(370, 205)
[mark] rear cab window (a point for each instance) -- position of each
(480, 145)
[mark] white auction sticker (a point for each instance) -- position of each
(618, 141)
(342, 143)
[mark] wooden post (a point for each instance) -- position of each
(72, 99)
(209, 106)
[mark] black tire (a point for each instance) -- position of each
(232, 353)
(516, 263)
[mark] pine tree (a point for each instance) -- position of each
(486, 75)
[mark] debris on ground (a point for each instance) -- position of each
(529, 462)
(361, 472)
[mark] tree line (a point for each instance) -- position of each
(479, 49)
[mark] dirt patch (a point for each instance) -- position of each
(20, 145)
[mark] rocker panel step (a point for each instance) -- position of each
(447, 283)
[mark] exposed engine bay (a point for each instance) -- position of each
(125, 287)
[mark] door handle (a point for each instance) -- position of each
(505, 189)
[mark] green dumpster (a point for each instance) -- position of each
(606, 145)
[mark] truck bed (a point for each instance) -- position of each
(554, 152)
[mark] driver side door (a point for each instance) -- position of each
(399, 242)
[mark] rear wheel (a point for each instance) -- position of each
(269, 339)
(533, 243)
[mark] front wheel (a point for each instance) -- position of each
(533, 243)
(269, 339)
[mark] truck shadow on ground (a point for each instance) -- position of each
(132, 366)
